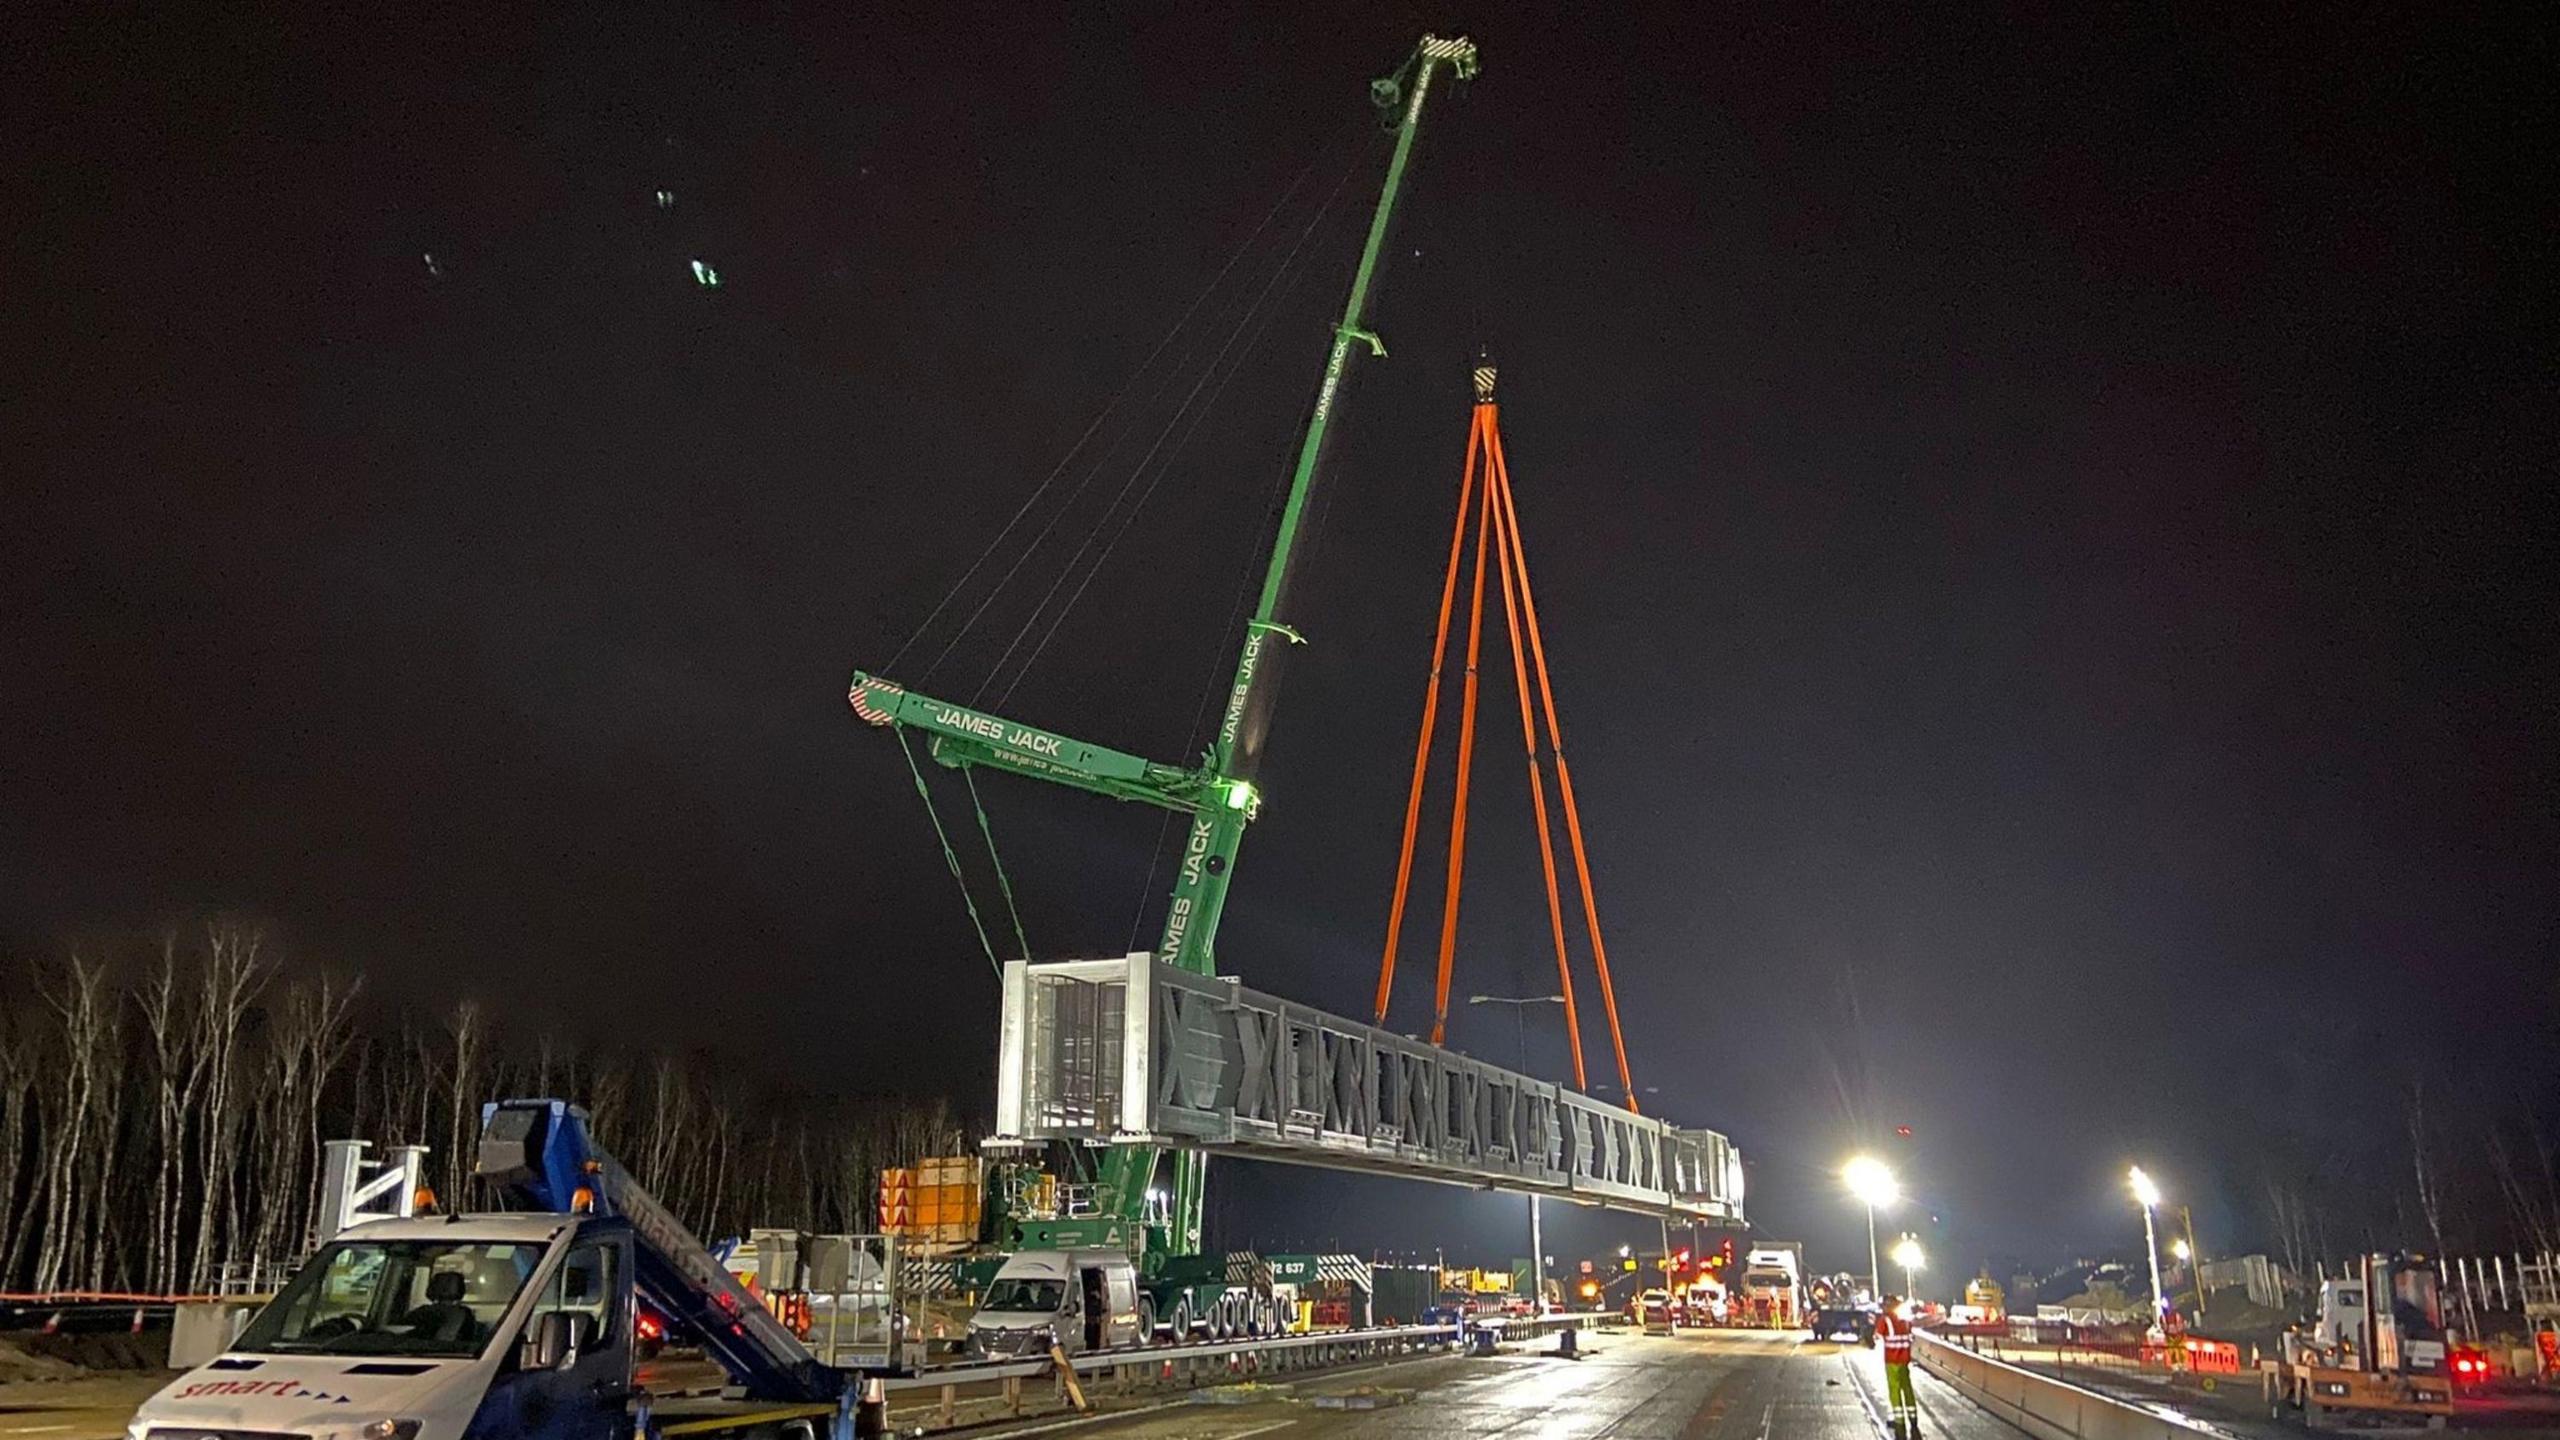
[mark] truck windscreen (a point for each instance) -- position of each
(428, 1298)
(1040, 1297)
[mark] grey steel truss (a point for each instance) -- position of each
(1129, 1049)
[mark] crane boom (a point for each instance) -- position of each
(1218, 794)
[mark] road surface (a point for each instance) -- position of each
(1698, 1385)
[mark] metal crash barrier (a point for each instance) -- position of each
(1181, 1364)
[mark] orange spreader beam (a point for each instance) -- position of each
(1484, 485)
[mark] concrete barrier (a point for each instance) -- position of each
(2044, 1407)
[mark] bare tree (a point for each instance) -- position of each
(2534, 1217)
(324, 1019)
(150, 1152)
(79, 1003)
(463, 1115)
(2430, 1195)
(177, 1073)
(17, 1129)
(235, 971)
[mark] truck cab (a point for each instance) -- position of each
(2388, 1317)
(431, 1329)
(476, 1327)
(1076, 1300)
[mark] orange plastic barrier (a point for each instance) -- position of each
(2213, 1357)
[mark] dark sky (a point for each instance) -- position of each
(2039, 518)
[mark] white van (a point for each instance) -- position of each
(408, 1329)
(1076, 1300)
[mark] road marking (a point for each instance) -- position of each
(1865, 1401)
(1260, 1429)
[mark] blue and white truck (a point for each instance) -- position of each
(520, 1324)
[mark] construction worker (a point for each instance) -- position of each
(1899, 1398)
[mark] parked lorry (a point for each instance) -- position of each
(517, 1324)
(2375, 1346)
(1773, 1283)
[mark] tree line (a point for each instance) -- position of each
(163, 1104)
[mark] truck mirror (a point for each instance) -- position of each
(582, 1333)
(554, 1340)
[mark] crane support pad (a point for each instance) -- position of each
(1134, 1051)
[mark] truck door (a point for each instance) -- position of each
(1097, 1307)
(1124, 1307)
(580, 1391)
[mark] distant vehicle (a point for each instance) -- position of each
(1985, 1303)
(1652, 1307)
(1845, 1322)
(1773, 1283)
(1704, 1304)
(2375, 1346)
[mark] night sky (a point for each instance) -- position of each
(2039, 520)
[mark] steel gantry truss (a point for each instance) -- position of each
(1136, 1051)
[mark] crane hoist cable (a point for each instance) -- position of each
(1484, 487)
(1247, 334)
(951, 857)
(1127, 387)
(1004, 882)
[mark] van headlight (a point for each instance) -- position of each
(390, 1430)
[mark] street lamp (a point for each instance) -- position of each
(1537, 1237)
(1906, 1253)
(2146, 1193)
(1871, 1182)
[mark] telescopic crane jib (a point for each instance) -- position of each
(1218, 793)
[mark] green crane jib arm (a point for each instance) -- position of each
(962, 736)
(1218, 795)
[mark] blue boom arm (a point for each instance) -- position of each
(541, 1153)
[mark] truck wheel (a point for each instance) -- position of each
(1181, 1333)
(1146, 1320)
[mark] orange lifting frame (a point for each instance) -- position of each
(1497, 525)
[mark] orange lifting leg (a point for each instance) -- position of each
(1484, 485)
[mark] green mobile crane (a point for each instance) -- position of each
(1217, 793)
